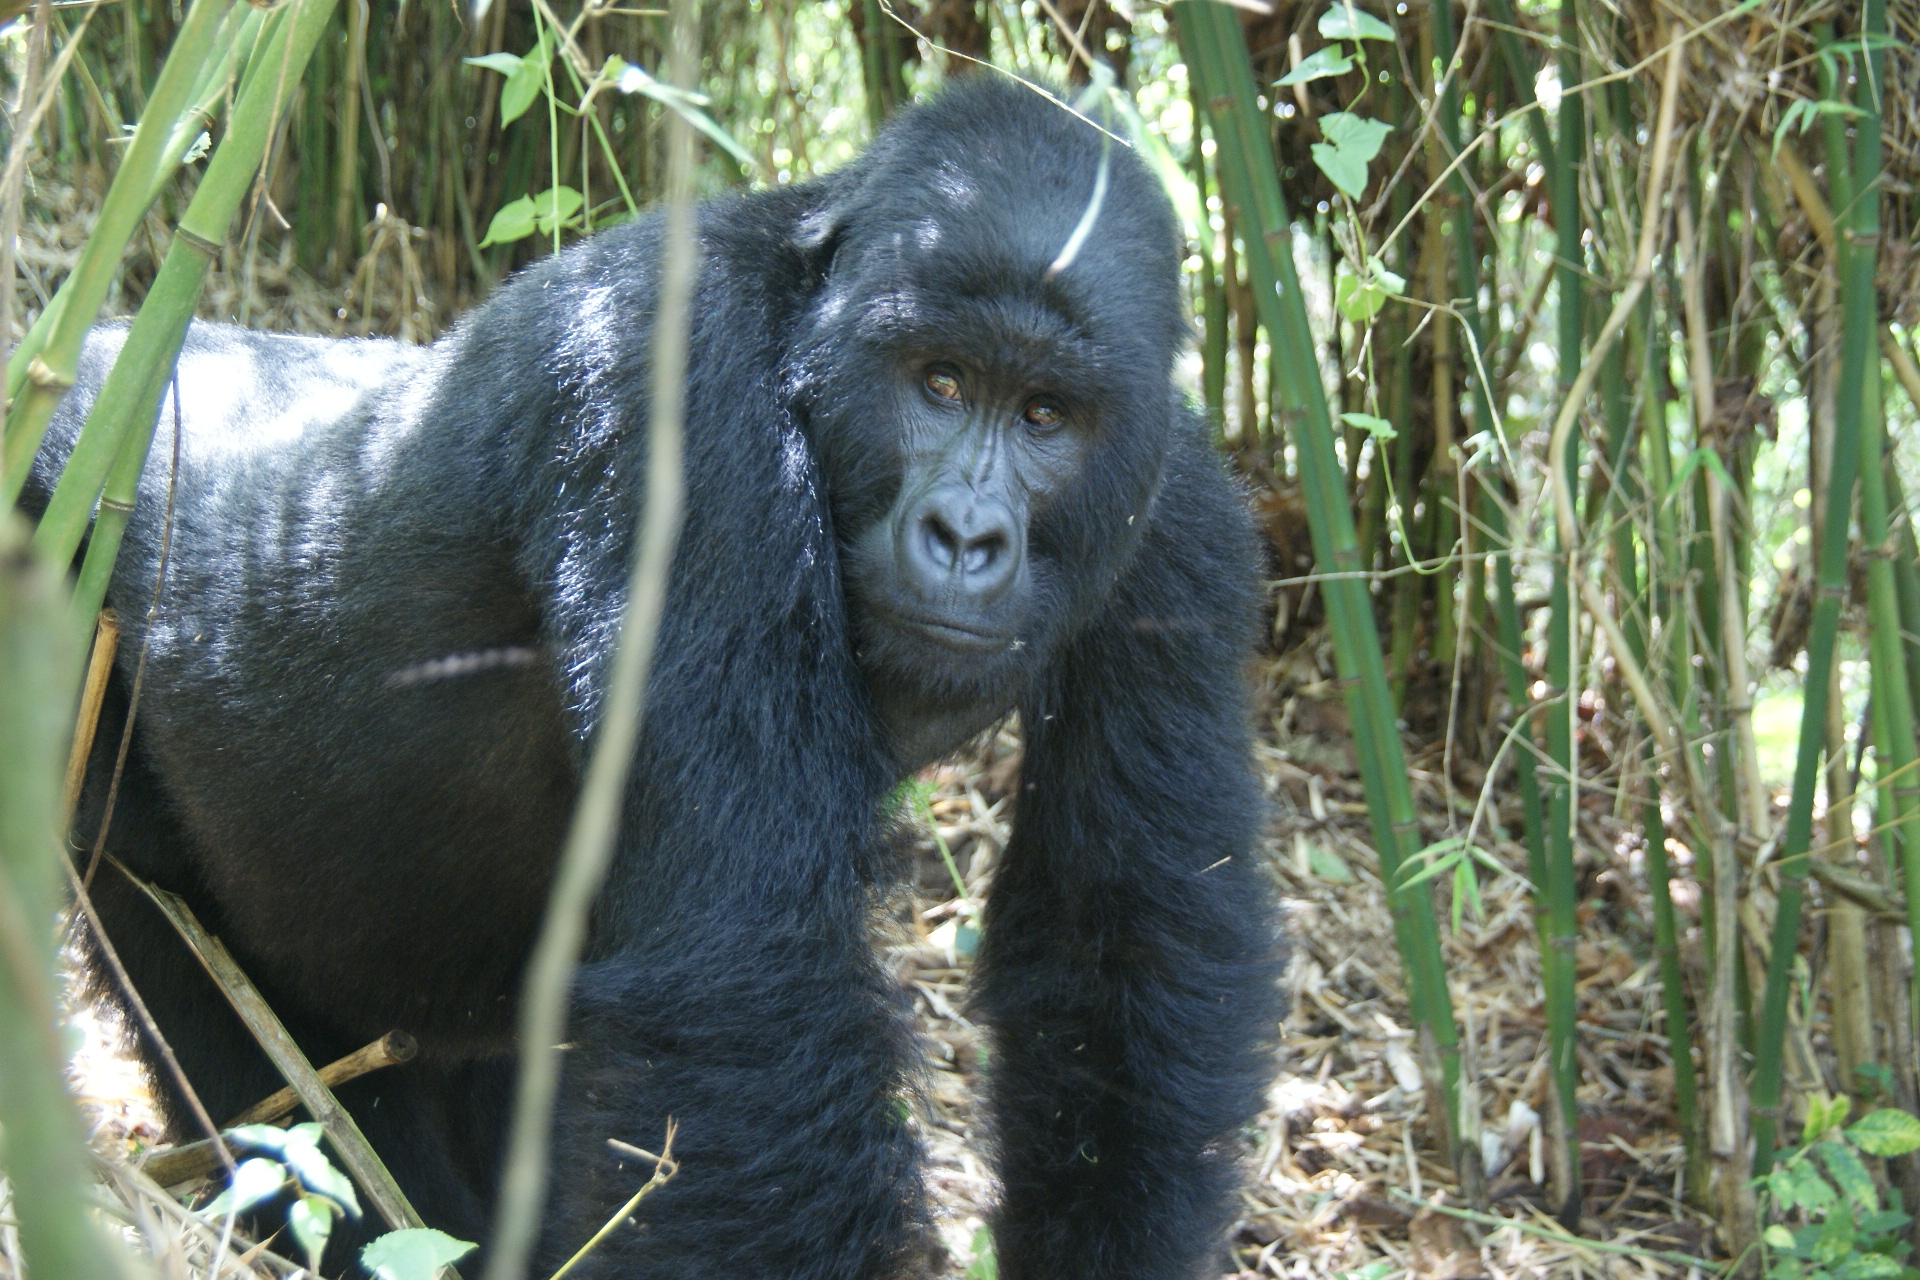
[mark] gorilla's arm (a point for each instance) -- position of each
(1128, 960)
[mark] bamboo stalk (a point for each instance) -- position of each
(1215, 50)
(46, 374)
(110, 455)
(1856, 269)
(590, 842)
(45, 1143)
(1733, 622)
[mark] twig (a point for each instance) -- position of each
(197, 1159)
(351, 1145)
(664, 1167)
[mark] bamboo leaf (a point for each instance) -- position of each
(632, 80)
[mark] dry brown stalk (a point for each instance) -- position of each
(198, 1159)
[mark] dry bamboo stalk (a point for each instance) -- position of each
(1733, 621)
(348, 1142)
(198, 1159)
(106, 640)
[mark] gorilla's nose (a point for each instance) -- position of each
(960, 541)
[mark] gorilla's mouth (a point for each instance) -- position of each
(956, 635)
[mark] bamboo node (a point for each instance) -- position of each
(46, 377)
(114, 504)
(198, 241)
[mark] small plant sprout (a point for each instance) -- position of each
(1829, 1222)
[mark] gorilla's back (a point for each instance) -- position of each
(309, 672)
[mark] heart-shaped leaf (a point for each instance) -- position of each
(513, 222)
(1319, 64)
(1348, 22)
(414, 1254)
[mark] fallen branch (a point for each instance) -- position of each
(198, 1159)
(355, 1152)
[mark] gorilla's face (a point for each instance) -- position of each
(991, 424)
(953, 583)
(991, 463)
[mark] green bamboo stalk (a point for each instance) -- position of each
(1851, 428)
(45, 1147)
(46, 375)
(1906, 575)
(1665, 599)
(1559, 891)
(232, 45)
(1894, 747)
(1216, 52)
(112, 448)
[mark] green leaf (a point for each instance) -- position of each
(513, 222)
(255, 1180)
(552, 208)
(1342, 169)
(1328, 865)
(1806, 1188)
(1778, 1237)
(1353, 133)
(526, 81)
(1835, 1240)
(1351, 141)
(1360, 299)
(1372, 1271)
(414, 1254)
(1868, 1266)
(267, 1137)
(1378, 428)
(315, 1172)
(1321, 63)
(1349, 22)
(311, 1221)
(1849, 1175)
(1886, 1132)
(985, 1265)
(505, 63)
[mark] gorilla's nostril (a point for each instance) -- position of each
(943, 545)
(981, 554)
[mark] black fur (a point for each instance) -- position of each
(396, 576)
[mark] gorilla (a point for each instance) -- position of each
(933, 479)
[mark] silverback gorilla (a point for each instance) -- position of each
(929, 482)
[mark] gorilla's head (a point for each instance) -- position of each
(993, 425)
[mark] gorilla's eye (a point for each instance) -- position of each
(943, 384)
(1044, 414)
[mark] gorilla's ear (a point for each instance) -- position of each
(817, 234)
